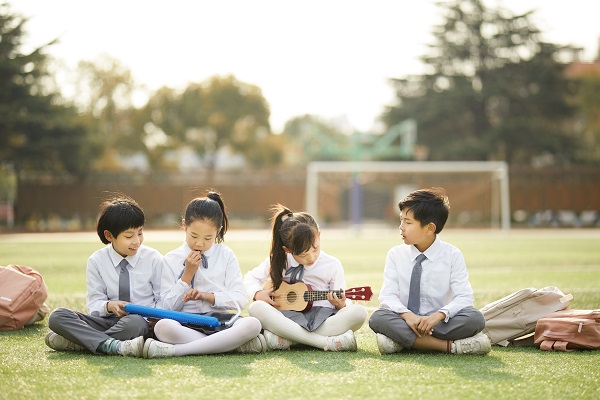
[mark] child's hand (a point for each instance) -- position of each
(426, 323)
(192, 294)
(338, 302)
(192, 262)
(116, 307)
(267, 297)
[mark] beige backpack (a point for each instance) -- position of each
(516, 315)
(22, 296)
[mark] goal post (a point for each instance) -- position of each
(354, 173)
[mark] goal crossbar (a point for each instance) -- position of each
(499, 170)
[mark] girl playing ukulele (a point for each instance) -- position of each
(296, 256)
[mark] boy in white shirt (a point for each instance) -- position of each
(426, 302)
(124, 271)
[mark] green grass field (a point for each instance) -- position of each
(498, 264)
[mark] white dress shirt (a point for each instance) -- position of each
(325, 274)
(102, 278)
(445, 283)
(223, 278)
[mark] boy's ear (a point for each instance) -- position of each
(431, 227)
(108, 236)
(286, 249)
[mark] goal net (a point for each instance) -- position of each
(356, 193)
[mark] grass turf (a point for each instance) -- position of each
(498, 264)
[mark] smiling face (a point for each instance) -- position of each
(414, 233)
(127, 242)
(310, 256)
(200, 235)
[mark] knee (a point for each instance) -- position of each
(479, 319)
(164, 326)
(258, 307)
(136, 324)
(56, 316)
(375, 320)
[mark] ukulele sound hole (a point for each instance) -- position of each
(292, 297)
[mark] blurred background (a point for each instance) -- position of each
(340, 108)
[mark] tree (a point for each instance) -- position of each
(38, 132)
(211, 115)
(493, 91)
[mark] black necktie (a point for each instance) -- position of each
(124, 290)
(414, 295)
(204, 264)
(296, 273)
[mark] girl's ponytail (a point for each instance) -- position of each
(278, 257)
(225, 221)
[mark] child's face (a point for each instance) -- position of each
(412, 231)
(128, 242)
(200, 235)
(310, 256)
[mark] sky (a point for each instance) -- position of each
(330, 58)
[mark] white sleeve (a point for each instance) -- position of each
(389, 295)
(257, 277)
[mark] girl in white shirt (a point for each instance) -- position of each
(296, 256)
(203, 277)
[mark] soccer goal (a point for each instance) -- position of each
(361, 192)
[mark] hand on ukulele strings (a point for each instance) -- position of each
(267, 296)
(338, 302)
(116, 307)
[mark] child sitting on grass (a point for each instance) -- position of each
(121, 272)
(426, 302)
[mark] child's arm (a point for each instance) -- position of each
(172, 289)
(459, 285)
(254, 281)
(389, 297)
(97, 296)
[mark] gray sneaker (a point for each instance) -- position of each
(132, 348)
(60, 343)
(343, 342)
(387, 345)
(155, 349)
(256, 345)
(478, 344)
(275, 342)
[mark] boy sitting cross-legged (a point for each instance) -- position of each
(426, 302)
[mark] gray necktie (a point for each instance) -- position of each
(124, 291)
(414, 295)
(297, 273)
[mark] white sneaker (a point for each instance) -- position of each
(133, 347)
(478, 344)
(387, 345)
(155, 349)
(275, 342)
(256, 345)
(343, 342)
(60, 343)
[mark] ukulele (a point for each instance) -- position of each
(299, 296)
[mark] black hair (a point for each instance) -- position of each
(117, 215)
(297, 231)
(210, 208)
(428, 205)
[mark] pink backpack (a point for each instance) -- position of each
(22, 296)
(568, 330)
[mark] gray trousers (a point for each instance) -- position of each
(90, 331)
(468, 322)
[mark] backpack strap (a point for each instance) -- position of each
(554, 345)
(547, 345)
